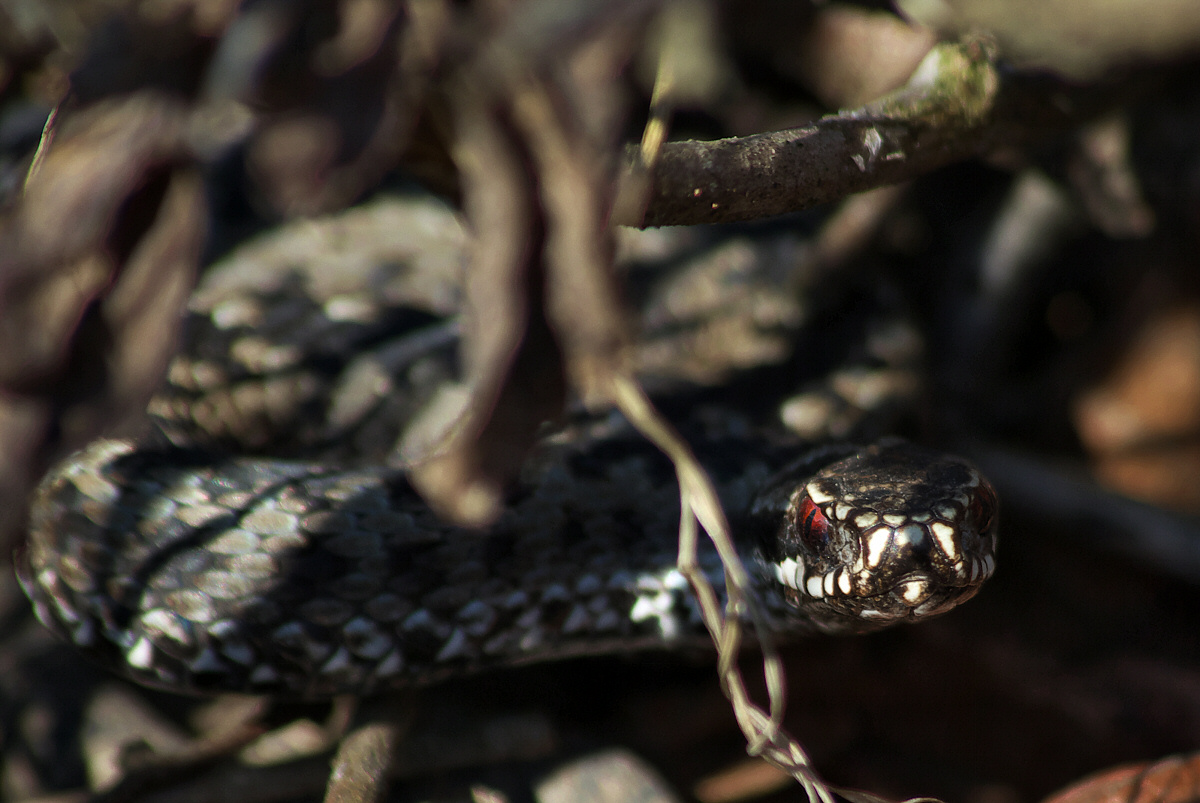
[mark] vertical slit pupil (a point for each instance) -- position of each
(812, 525)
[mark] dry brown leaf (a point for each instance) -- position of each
(97, 261)
(542, 304)
(1169, 780)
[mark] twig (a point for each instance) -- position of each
(957, 105)
(43, 146)
(163, 772)
(360, 769)
(699, 505)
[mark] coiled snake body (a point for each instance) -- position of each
(194, 572)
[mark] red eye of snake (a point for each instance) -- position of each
(812, 526)
(983, 508)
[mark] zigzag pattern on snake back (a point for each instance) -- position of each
(193, 571)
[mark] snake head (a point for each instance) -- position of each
(894, 532)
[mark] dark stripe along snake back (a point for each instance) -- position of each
(193, 572)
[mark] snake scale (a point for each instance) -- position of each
(188, 568)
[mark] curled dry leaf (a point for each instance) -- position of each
(512, 360)
(542, 305)
(66, 238)
(1170, 780)
(96, 262)
(340, 94)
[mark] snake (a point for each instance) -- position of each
(191, 568)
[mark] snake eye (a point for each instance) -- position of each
(983, 508)
(812, 526)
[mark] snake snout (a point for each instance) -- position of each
(892, 532)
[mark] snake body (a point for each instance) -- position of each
(297, 579)
(191, 570)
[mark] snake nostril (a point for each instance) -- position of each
(983, 508)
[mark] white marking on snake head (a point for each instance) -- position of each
(841, 511)
(864, 520)
(912, 535)
(944, 535)
(789, 571)
(894, 519)
(931, 606)
(813, 587)
(877, 544)
(817, 494)
(914, 591)
(830, 582)
(844, 581)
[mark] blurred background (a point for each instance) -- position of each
(1022, 247)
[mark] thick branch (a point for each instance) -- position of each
(955, 107)
(785, 171)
